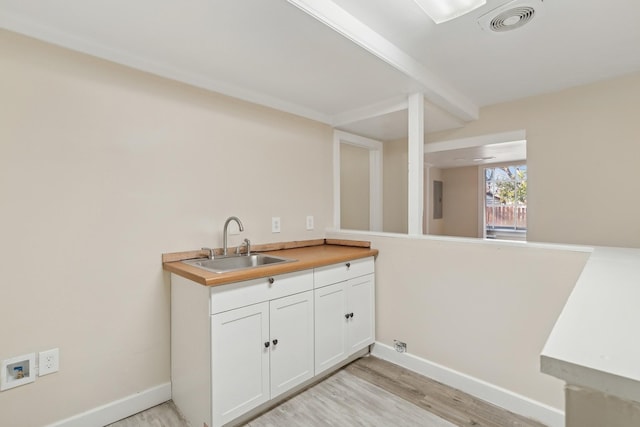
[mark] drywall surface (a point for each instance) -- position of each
(461, 201)
(583, 146)
(436, 226)
(354, 187)
(103, 169)
(482, 308)
(395, 186)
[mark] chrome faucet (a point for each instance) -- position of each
(224, 232)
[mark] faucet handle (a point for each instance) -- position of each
(246, 243)
(210, 252)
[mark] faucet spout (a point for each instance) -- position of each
(225, 231)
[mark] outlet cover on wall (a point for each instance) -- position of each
(48, 362)
(275, 224)
(309, 222)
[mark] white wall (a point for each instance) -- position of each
(583, 146)
(436, 226)
(354, 187)
(103, 169)
(395, 186)
(460, 200)
(484, 309)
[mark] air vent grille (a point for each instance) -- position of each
(512, 19)
(511, 15)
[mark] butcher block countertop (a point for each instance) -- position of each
(307, 254)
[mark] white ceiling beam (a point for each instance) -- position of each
(476, 141)
(370, 111)
(436, 90)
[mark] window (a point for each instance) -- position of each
(505, 206)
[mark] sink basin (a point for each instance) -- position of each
(238, 262)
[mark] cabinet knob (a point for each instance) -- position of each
(275, 342)
(351, 315)
(348, 265)
(266, 344)
(271, 280)
(346, 316)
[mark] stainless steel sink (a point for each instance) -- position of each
(238, 262)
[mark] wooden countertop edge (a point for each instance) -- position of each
(306, 256)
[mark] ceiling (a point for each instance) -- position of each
(348, 63)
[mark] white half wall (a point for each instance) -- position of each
(480, 308)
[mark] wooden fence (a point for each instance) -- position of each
(506, 216)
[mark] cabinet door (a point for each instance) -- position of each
(360, 305)
(330, 326)
(291, 332)
(239, 361)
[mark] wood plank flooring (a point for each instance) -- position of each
(368, 392)
(347, 401)
(453, 405)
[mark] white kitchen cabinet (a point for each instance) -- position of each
(236, 347)
(291, 334)
(258, 352)
(240, 347)
(344, 311)
(239, 361)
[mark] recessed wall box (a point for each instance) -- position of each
(17, 371)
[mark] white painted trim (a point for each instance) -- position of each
(482, 196)
(119, 409)
(437, 90)
(336, 179)
(375, 110)
(169, 71)
(415, 151)
(476, 141)
(375, 176)
(357, 140)
(428, 198)
(488, 392)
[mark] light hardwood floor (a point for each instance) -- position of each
(368, 392)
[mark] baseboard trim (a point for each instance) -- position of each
(491, 393)
(119, 409)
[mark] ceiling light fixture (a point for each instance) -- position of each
(446, 10)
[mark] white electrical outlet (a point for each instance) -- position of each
(310, 222)
(48, 362)
(275, 224)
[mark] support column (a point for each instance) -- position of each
(416, 163)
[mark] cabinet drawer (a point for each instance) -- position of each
(234, 295)
(335, 273)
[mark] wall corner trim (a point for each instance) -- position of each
(118, 409)
(491, 393)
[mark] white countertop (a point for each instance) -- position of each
(595, 342)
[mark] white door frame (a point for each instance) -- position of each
(375, 176)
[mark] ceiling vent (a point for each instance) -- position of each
(510, 16)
